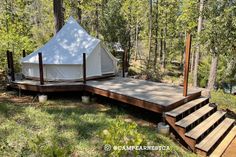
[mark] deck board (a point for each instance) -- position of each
(154, 96)
(154, 92)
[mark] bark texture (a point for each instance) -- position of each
(213, 72)
(150, 32)
(197, 54)
(58, 14)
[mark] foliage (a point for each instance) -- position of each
(205, 67)
(24, 26)
(189, 14)
(29, 24)
(121, 133)
(68, 128)
(225, 101)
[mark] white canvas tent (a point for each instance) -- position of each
(63, 56)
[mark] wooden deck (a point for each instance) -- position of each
(153, 96)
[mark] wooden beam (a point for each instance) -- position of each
(12, 70)
(41, 68)
(23, 53)
(186, 65)
(126, 99)
(84, 68)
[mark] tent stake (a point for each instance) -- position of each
(41, 68)
(186, 65)
(84, 68)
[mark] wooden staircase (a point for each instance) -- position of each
(206, 130)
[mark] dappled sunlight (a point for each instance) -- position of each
(66, 47)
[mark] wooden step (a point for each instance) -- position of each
(188, 107)
(207, 144)
(200, 131)
(220, 149)
(230, 151)
(196, 117)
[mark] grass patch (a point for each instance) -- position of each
(224, 100)
(66, 128)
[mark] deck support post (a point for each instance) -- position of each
(23, 53)
(186, 65)
(41, 68)
(84, 68)
(11, 64)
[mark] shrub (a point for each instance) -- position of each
(123, 134)
(224, 100)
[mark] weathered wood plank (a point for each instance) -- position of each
(186, 107)
(207, 143)
(153, 96)
(220, 149)
(205, 125)
(190, 119)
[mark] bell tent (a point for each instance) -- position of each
(63, 56)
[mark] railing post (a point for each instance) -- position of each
(41, 68)
(186, 65)
(8, 60)
(23, 53)
(123, 64)
(84, 68)
(12, 71)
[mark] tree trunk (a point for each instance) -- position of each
(136, 41)
(58, 14)
(164, 54)
(213, 72)
(150, 32)
(182, 59)
(156, 39)
(192, 61)
(7, 22)
(79, 12)
(164, 48)
(97, 24)
(197, 54)
(161, 45)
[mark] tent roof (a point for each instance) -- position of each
(66, 47)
